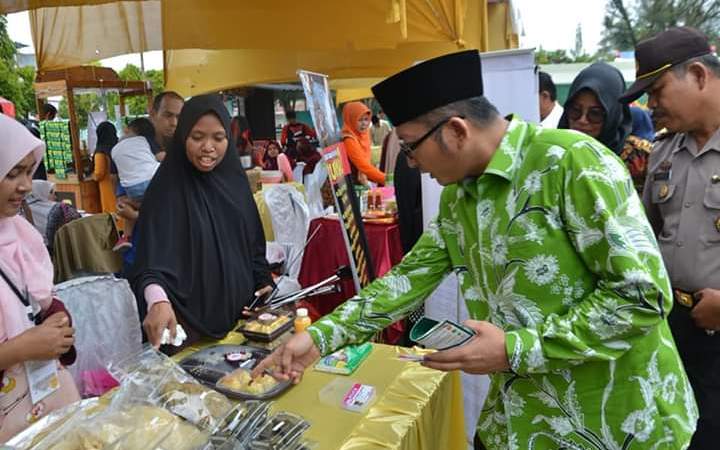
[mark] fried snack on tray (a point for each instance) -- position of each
(239, 380)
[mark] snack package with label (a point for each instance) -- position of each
(153, 377)
(194, 402)
(346, 360)
(268, 326)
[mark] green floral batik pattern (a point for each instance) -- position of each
(552, 245)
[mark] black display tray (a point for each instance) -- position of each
(209, 365)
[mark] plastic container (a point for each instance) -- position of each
(302, 320)
(246, 161)
(347, 394)
(263, 330)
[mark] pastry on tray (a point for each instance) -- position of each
(266, 323)
(239, 380)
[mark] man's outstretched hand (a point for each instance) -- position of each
(289, 361)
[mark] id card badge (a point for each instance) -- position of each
(440, 335)
(43, 379)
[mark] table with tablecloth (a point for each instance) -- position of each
(327, 252)
(416, 408)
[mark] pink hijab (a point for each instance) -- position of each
(23, 256)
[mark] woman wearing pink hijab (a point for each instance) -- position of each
(35, 329)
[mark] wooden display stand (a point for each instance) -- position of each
(84, 194)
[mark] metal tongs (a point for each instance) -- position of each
(325, 286)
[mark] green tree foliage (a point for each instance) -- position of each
(628, 21)
(543, 56)
(84, 104)
(16, 83)
(138, 105)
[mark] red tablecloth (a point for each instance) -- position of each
(327, 252)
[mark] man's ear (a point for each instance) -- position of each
(455, 133)
(699, 74)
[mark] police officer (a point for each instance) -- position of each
(681, 77)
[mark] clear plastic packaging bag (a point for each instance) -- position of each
(53, 424)
(104, 425)
(107, 328)
(152, 377)
(158, 406)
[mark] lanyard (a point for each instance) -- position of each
(25, 299)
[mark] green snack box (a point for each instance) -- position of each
(346, 360)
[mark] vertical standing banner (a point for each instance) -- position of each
(322, 110)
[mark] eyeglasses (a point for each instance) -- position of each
(594, 114)
(409, 147)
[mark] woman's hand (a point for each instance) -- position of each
(263, 291)
(362, 178)
(259, 294)
(49, 340)
(126, 209)
(160, 317)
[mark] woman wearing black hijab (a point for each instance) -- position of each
(201, 247)
(593, 108)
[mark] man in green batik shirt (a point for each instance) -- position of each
(557, 264)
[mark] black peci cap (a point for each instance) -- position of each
(654, 56)
(429, 85)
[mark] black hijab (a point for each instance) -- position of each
(608, 84)
(199, 234)
(106, 137)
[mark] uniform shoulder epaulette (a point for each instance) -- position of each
(640, 144)
(662, 135)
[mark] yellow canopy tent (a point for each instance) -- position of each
(68, 36)
(13, 6)
(260, 41)
(352, 70)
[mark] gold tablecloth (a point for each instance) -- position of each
(416, 408)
